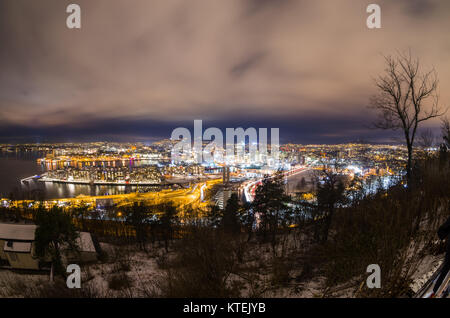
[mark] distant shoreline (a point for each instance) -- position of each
(110, 183)
(101, 182)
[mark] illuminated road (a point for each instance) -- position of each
(250, 187)
(193, 195)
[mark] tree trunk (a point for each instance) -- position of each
(409, 163)
(51, 272)
(328, 224)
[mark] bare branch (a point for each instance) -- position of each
(406, 97)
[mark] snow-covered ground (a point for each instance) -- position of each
(130, 272)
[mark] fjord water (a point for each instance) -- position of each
(18, 165)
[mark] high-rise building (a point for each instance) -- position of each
(226, 174)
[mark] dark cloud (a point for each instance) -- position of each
(311, 128)
(420, 8)
(252, 61)
(159, 63)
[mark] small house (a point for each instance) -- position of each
(17, 242)
(17, 246)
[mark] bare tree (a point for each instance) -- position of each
(407, 96)
(426, 139)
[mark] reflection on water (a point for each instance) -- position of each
(68, 190)
(19, 165)
(51, 190)
(53, 164)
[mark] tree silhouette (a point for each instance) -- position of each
(55, 230)
(407, 97)
(139, 216)
(445, 129)
(330, 193)
(230, 220)
(214, 216)
(445, 146)
(167, 222)
(269, 204)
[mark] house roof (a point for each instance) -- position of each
(26, 232)
(85, 243)
(20, 232)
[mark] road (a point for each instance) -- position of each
(250, 187)
(190, 196)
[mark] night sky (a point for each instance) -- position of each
(138, 69)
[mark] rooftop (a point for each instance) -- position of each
(19, 232)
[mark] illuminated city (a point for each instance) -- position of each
(150, 170)
(211, 151)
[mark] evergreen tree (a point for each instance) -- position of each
(330, 194)
(55, 230)
(230, 220)
(139, 216)
(269, 206)
(167, 222)
(214, 216)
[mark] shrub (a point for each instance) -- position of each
(119, 281)
(280, 271)
(202, 267)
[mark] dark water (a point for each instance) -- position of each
(15, 166)
(12, 170)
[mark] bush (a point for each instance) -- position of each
(203, 266)
(119, 281)
(391, 229)
(280, 271)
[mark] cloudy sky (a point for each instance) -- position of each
(138, 69)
